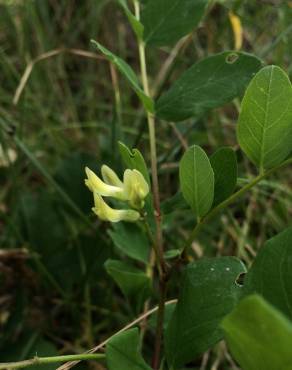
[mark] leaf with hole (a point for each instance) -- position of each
(265, 122)
(208, 293)
(259, 336)
(123, 352)
(166, 21)
(197, 180)
(224, 164)
(130, 75)
(208, 84)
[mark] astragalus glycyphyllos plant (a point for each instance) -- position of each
(254, 317)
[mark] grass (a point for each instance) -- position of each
(55, 296)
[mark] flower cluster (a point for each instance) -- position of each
(133, 190)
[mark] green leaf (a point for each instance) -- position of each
(133, 159)
(224, 164)
(197, 180)
(137, 26)
(130, 75)
(131, 240)
(265, 122)
(134, 283)
(208, 84)
(271, 273)
(122, 352)
(208, 293)
(166, 21)
(259, 336)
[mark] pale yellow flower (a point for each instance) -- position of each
(106, 213)
(133, 190)
(96, 185)
(110, 177)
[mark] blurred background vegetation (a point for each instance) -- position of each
(62, 106)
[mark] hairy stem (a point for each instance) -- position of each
(49, 360)
(230, 200)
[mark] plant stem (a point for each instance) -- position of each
(156, 201)
(155, 186)
(48, 360)
(230, 200)
(160, 322)
(152, 139)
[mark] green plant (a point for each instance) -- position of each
(211, 304)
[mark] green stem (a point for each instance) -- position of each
(152, 139)
(49, 360)
(156, 201)
(230, 200)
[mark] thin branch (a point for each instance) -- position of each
(180, 137)
(69, 365)
(156, 202)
